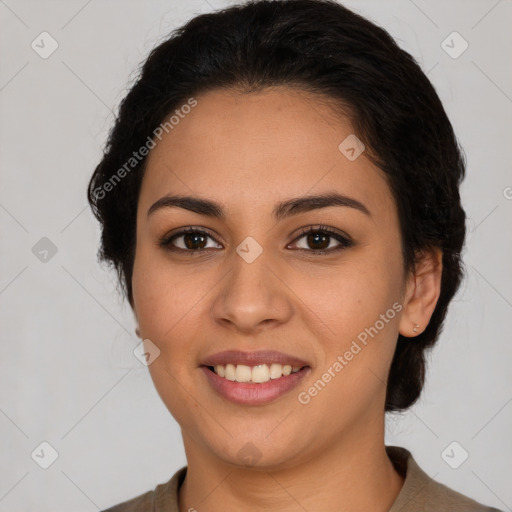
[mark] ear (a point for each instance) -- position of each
(422, 290)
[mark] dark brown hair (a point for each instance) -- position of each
(322, 47)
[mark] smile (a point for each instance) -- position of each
(271, 381)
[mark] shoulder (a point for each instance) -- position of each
(421, 493)
(164, 497)
(138, 504)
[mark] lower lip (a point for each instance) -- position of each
(253, 393)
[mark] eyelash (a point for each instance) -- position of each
(345, 241)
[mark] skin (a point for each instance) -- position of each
(248, 152)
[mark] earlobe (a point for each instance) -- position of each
(422, 293)
(137, 328)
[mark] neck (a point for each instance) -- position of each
(353, 474)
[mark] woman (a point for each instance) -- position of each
(280, 198)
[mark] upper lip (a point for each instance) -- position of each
(252, 358)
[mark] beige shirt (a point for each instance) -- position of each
(419, 493)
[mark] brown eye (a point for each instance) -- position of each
(321, 240)
(189, 240)
(318, 241)
(194, 241)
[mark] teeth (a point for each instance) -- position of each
(260, 373)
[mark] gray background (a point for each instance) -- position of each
(68, 375)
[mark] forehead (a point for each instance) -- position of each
(260, 147)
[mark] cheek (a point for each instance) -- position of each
(358, 310)
(168, 306)
(172, 307)
(162, 295)
(350, 297)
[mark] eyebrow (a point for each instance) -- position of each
(281, 211)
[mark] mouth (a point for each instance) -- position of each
(254, 385)
(253, 378)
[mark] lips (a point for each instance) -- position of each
(254, 394)
(252, 358)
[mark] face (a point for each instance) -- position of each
(248, 276)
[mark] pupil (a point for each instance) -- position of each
(314, 239)
(194, 236)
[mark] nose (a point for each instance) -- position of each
(252, 297)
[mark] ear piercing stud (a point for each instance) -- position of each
(415, 329)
